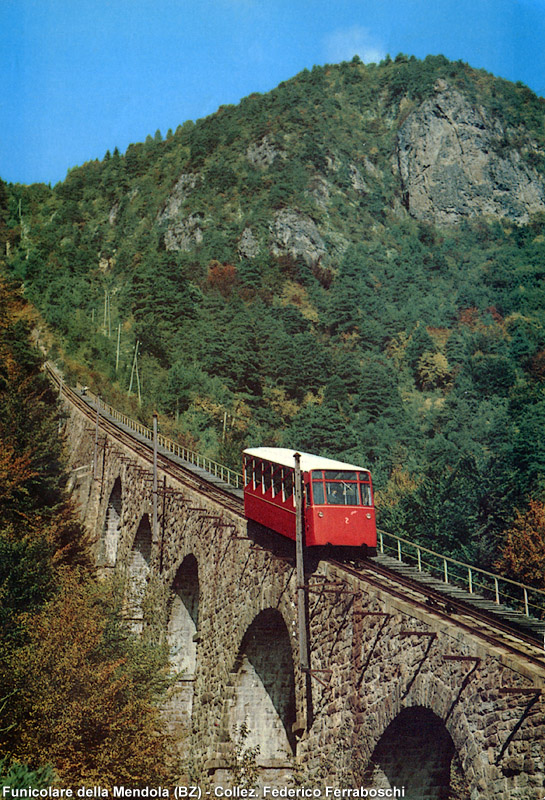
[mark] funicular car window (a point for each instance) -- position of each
(365, 490)
(318, 493)
(258, 474)
(248, 470)
(339, 488)
(277, 481)
(267, 477)
(287, 481)
(342, 493)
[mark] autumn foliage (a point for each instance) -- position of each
(77, 692)
(523, 554)
(79, 703)
(221, 277)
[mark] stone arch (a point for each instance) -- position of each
(182, 626)
(111, 530)
(183, 617)
(264, 689)
(138, 572)
(416, 752)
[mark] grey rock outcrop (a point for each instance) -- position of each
(296, 235)
(356, 179)
(182, 232)
(114, 211)
(248, 246)
(262, 153)
(183, 188)
(320, 191)
(185, 233)
(454, 162)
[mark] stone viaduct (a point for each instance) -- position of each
(398, 698)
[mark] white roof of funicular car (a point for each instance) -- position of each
(286, 458)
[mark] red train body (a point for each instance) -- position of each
(337, 497)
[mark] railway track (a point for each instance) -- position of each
(503, 628)
(436, 604)
(187, 474)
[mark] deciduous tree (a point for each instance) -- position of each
(523, 551)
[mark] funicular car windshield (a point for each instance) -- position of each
(341, 488)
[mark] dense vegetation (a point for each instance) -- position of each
(77, 692)
(419, 352)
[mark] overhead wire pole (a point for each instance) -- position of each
(118, 347)
(304, 658)
(300, 568)
(107, 315)
(155, 538)
(138, 384)
(132, 368)
(135, 371)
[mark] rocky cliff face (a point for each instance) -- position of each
(455, 162)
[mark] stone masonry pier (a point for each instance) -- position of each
(398, 697)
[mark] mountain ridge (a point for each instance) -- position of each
(351, 264)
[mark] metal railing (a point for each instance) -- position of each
(229, 476)
(499, 590)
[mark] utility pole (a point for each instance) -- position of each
(107, 315)
(138, 385)
(300, 568)
(118, 345)
(132, 368)
(154, 531)
(134, 371)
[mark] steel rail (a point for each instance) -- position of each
(143, 449)
(460, 609)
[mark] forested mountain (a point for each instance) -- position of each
(351, 264)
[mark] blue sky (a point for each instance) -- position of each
(80, 77)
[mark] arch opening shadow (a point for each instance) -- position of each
(138, 574)
(183, 618)
(416, 752)
(181, 634)
(111, 531)
(264, 689)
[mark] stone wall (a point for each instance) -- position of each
(388, 678)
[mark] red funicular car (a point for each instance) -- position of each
(337, 497)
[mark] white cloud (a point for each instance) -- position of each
(344, 44)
